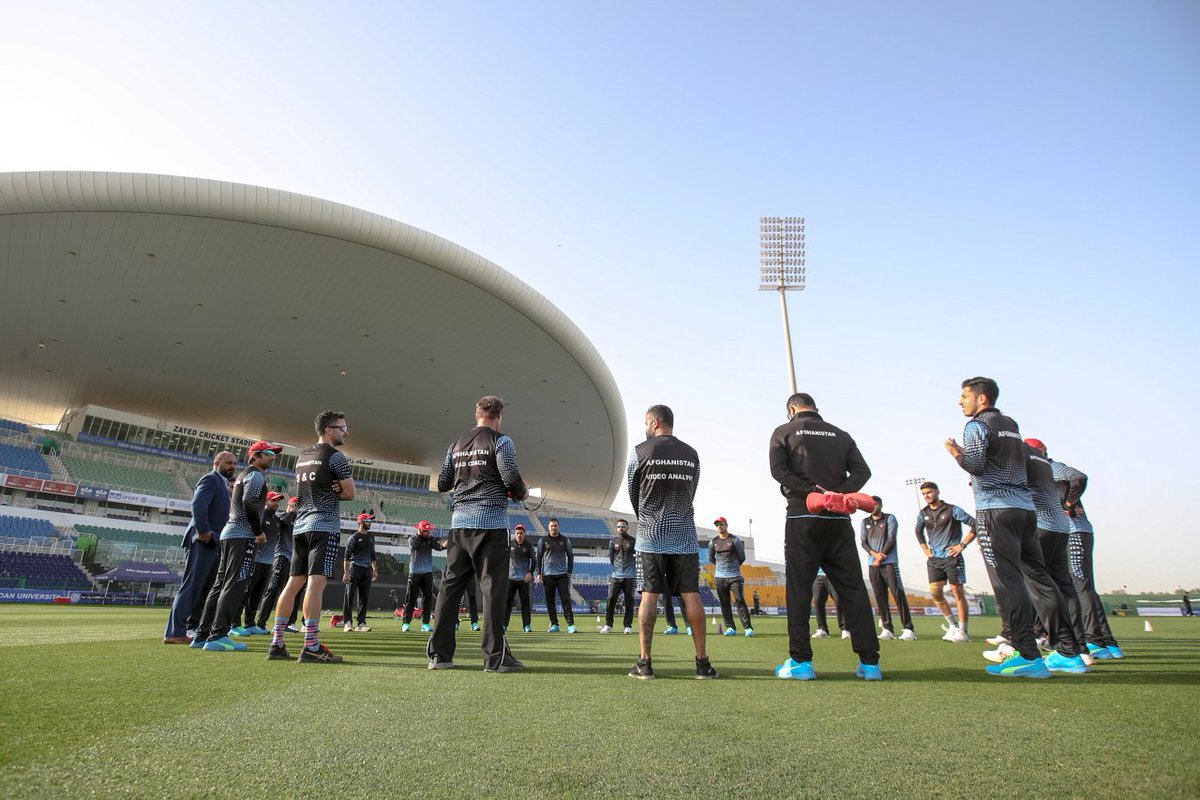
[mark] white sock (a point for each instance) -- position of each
(949, 620)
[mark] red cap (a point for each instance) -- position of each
(518, 527)
(295, 499)
(424, 525)
(1036, 444)
(266, 447)
(720, 521)
(274, 495)
(365, 517)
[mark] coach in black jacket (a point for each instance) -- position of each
(809, 455)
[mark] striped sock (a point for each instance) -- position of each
(310, 633)
(277, 630)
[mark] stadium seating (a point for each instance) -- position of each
(10, 425)
(593, 569)
(140, 538)
(41, 571)
(120, 476)
(591, 592)
(24, 460)
(23, 528)
(583, 527)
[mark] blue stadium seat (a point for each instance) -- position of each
(25, 459)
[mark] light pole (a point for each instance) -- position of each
(781, 259)
(916, 484)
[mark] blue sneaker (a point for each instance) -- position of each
(426, 628)
(552, 629)
(672, 630)
(749, 632)
(197, 643)
(224, 644)
(257, 631)
(406, 627)
(796, 670)
(1099, 652)
(474, 626)
(1057, 662)
(1016, 666)
(239, 630)
(869, 672)
(1115, 651)
(689, 630)
(570, 629)
(729, 632)
(528, 629)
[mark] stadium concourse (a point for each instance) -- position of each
(116, 398)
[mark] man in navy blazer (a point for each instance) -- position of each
(210, 512)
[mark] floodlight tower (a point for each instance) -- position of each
(916, 484)
(781, 249)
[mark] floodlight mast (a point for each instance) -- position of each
(916, 484)
(781, 259)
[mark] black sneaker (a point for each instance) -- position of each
(508, 664)
(319, 656)
(642, 670)
(704, 670)
(278, 652)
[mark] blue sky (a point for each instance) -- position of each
(1008, 190)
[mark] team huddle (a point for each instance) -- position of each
(1029, 520)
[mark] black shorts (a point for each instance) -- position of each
(670, 573)
(313, 553)
(947, 570)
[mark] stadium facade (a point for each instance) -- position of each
(150, 321)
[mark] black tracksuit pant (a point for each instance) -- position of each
(472, 552)
(618, 587)
(738, 587)
(822, 591)
(885, 578)
(1095, 621)
(472, 601)
(223, 608)
(667, 601)
(1058, 564)
(256, 587)
(561, 585)
(280, 572)
(358, 589)
(420, 585)
(810, 543)
(1013, 557)
(518, 588)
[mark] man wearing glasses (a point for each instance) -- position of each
(728, 552)
(323, 477)
(623, 557)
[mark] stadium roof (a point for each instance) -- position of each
(249, 310)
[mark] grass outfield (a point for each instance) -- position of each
(94, 705)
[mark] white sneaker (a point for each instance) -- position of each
(628, 629)
(997, 640)
(820, 634)
(364, 628)
(347, 628)
(908, 635)
(1044, 643)
(999, 654)
(959, 635)
(845, 634)
(886, 634)
(606, 629)
(1087, 659)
